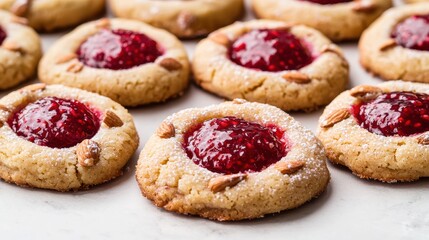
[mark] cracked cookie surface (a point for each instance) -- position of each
(92, 161)
(381, 55)
(161, 76)
(20, 51)
(50, 15)
(373, 155)
(339, 22)
(185, 19)
(306, 88)
(173, 181)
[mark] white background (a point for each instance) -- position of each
(351, 208)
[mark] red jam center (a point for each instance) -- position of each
(413, 33)
(3, 35)
(270, 50)
(55, 122)
(327, 2)
(231, 145)
(118, 49)
(394, 114)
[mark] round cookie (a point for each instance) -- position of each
(50, 15)
(62, 138)
(379, 132)
(232, 161)
(20, 51)
(396, 45)
(293, 78)
(127, 61)
(185, 19)
(339, 20)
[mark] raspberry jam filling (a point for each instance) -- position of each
(231, 145)
(270, 50)
(413, 33)
(394, 114)
(327, 2)
(55, 122)
(118, 49)
(3, 35)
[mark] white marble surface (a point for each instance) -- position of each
(351, 208)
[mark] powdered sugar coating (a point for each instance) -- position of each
(326, 76)
(369, 155)
(172, 181)
(142, 84)
(25, 163)
(394, 62)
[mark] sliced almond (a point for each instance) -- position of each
(21, 7)
(220, 38)
(365, 92)
(423, 138)
(185, 20)
(219, 184)
(239, 101)
(243, 29)
(332, 49)
(103, 23)
(170, 64)
(289, 167)
(11, 46)
(297, 77)
(19, 20)
(388, 44)
(334, 117)
(66, 58)
(286, 26)
(4, 108)
(166, 130)
(364, 6)
(112, 120)
(33, 87)
(88, 153)
(75, 67)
